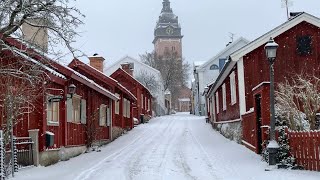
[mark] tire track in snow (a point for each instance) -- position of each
(87, 173)
(206, 158)
(152, 153)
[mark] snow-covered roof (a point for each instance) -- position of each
(217, 56)
(136, 80)
(112, 96)
(128, 59)
(135, 98)
(262, 40)
(52, 71)
(198, 63)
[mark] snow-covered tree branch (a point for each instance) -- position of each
(298, 96)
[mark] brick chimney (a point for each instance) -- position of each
(128, 67)
(96, 61)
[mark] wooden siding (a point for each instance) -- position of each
(232, 112)
(288, 62)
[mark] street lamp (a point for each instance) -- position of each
(71, 90)
(271, 53)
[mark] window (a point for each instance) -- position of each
(224, 97)
(214, 67)
(103, 115)
(109, 115)
(117, 105)
(149, 104)
(142, 101)
(304, 46)
(145, 103)
(124, 107)
(233, 90)
(217, 102)
(52, 112)
(76, 109)
(128, 109)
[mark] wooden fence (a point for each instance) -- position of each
(305, 147)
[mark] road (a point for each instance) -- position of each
(180, 147)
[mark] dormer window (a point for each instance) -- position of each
(214, 67)
(304, 45)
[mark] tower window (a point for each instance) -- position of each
(214, 67)
(304, 45)
(173, 48)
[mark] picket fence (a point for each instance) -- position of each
(305, 147)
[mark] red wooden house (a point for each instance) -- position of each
(241, 92)
(59, 113)
(122, 109)
(142, 107)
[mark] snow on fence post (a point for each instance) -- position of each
(15, 155)
(2, 156)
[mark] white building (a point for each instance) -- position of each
(149, 75)
(207, 72)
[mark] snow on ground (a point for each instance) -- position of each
(177, 147)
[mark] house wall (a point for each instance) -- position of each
(136, 89)
(288, 62)
(139, 67)
(232, 112)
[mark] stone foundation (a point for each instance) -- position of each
(232, 131)
(50, 157)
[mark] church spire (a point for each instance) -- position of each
(166, 6)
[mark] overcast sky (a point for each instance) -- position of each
(116, 28)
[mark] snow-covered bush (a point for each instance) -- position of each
(231, 131)
(299, 94)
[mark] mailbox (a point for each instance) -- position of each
(49, 139)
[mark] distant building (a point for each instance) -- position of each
(206, 72)
(168, 39)
(146, 75)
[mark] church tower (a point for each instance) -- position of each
(168, 40)
(167, 33)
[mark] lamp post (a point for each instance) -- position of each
(271, 53)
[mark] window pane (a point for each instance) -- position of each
(55, 112)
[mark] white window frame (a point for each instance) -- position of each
(224, 97)
(142, 101)
(103, 115)
(145, 103)
(217, 102)
(53, 118)
(233, 90)
(124, 107)
(76, 114)
(149, 104)
(128, 109)
(117, 105)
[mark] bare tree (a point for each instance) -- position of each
(174, 70)
(58, 17)
(21, 85)
(297, 95)
(92, 129)
(22, 78)
(149, 80)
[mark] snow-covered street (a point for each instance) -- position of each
(180, 146)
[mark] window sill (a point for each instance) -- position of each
(77, 123)
(52, 123)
